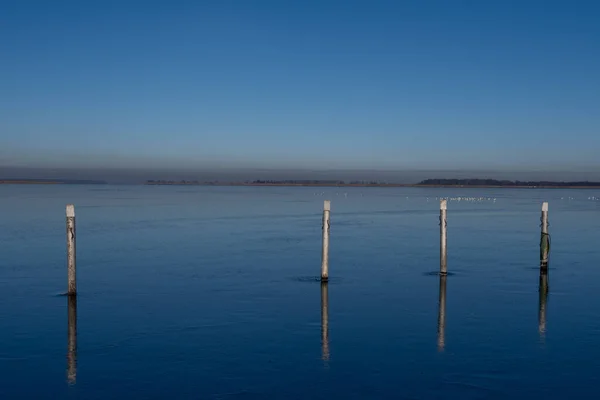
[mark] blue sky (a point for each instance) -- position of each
(300, 84)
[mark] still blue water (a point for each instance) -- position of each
(210, 292)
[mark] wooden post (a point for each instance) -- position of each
(442, 314)
(443, 238)
(545, 239)
(71, 252)
(542, 303)
(72, 340)
(324, 321)
(325, 253)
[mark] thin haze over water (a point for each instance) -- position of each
(228, 174)
(211, 292)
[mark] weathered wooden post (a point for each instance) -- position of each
(543, 289)
(72, 340)
(324, 321)
(545, 239)
(442, 314)
(71, 251)
(443, 239)
(325, 253)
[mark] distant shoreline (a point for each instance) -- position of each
(8, 182)
(50, 182)
(331, 184)
(367, 185)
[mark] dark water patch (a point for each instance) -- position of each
(534, 268)
(437, 273)
(310, 279)
(471, 387)
(307, 278)
(65, 294)
(243, 394)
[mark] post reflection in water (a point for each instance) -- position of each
(72, 340)
(324, 321)
(543, 289)
(441, 337)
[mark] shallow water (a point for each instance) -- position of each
(210, 292)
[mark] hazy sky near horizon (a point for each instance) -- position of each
(300, 84)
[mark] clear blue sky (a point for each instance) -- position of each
(320, 84)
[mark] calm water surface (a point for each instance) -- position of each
(204, 292)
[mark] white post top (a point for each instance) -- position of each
(443, 204)
(327, 205)
(70, 210)
(545, 206)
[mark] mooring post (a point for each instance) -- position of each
(443, 240)
(442, 314)
(72, 340)
(545, 238)
(71, 252)
(325, 253)
(324, 321)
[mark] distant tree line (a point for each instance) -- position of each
(367, 183)
(494, 182)
(311, 182)
(297, 182)
(165, 182)
(283, 182)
